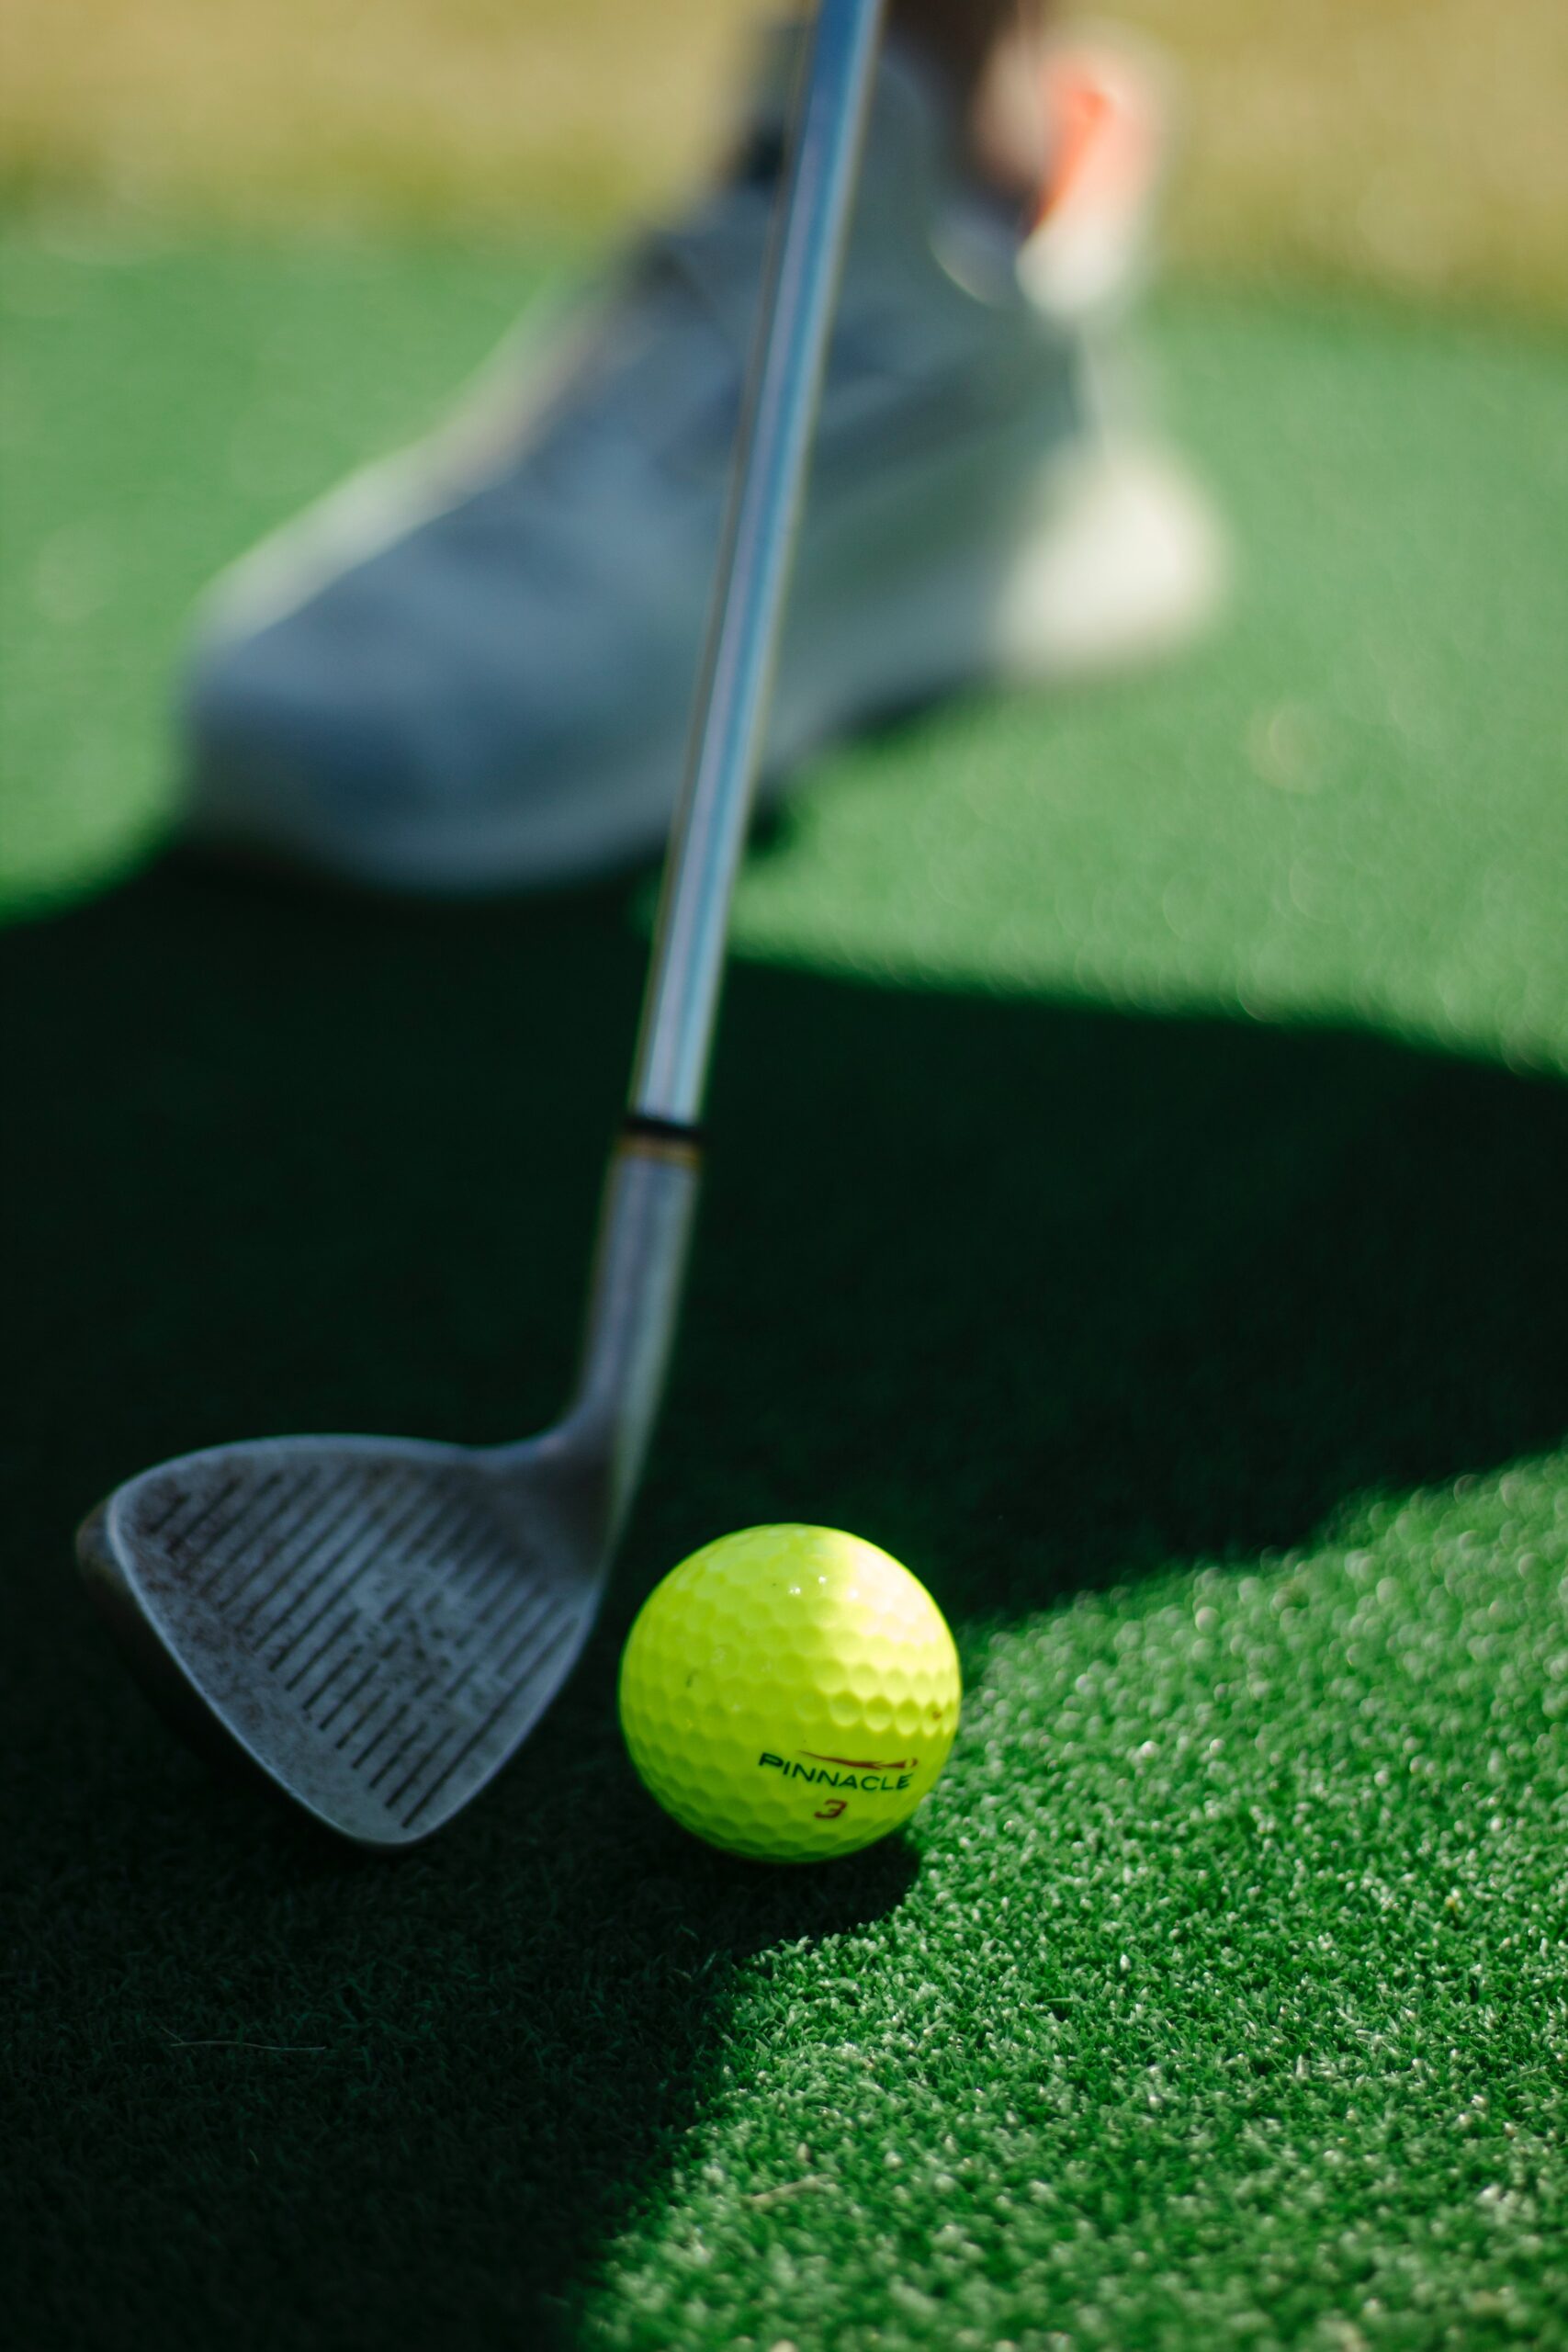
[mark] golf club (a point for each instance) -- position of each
(377, 1623)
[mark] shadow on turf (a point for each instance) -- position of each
(1033, 1294)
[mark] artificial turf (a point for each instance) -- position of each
(1140, 1200)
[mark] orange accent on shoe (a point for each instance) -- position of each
(1079, 110)
(1105, 140)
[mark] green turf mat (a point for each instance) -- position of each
(1138, 1201)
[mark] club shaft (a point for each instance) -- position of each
(730, 727)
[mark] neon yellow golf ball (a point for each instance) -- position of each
(789, 1693)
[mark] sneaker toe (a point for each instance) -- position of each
(303, 742)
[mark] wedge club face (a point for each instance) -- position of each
(375, 1625)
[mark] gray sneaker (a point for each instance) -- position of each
(470, 669)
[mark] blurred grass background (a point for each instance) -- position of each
(1413, 145)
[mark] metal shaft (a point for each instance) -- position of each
(682, 1004)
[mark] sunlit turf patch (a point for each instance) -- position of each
(1348, 805)
(1229, 1997)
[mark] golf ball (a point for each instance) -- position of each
(789, 1693)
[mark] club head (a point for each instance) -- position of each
(374, 1624)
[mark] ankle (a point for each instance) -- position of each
(986, 54)
(1008, 132)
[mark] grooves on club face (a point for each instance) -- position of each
(377, 1623)
(374, 1624)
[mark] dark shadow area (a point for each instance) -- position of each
(1035, 1296)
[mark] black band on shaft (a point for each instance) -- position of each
(641, 1126)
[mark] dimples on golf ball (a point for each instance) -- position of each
(789, 1693)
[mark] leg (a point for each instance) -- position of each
(988, 48)
(964, 33)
